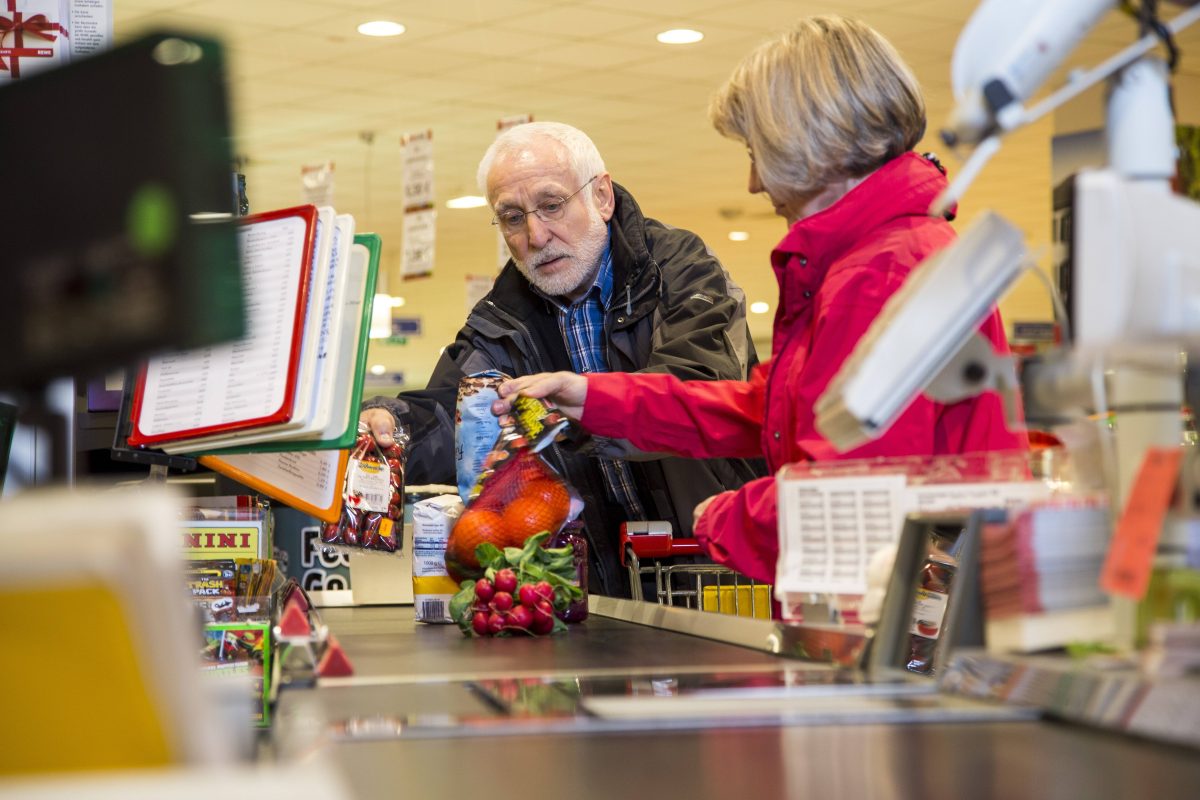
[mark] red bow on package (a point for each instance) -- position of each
(37, 25)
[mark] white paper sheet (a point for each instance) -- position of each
(91, 27)
(345, 357)
(308, 475)
(830, 527)
(245, 379)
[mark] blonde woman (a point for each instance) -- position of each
(829, 113)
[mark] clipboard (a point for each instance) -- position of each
(308, 480)
(312, 383)
(338, 437)
(280, 282)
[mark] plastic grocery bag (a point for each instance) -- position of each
(518, 494)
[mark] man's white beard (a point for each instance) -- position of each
(583, 262)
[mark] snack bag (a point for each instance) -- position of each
(213, 586)
(373, 496)
(433, 520)
(518, 494)
(475, 426)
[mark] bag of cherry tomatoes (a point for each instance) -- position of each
(518, 494)
(373, 496)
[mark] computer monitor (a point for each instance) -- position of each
(116, 211)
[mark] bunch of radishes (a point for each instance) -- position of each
(522, 591)
(503, 605)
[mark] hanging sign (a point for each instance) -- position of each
(416, 260)
(316, 183)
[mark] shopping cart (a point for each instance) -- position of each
(694, 584)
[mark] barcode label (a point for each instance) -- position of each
(433, 610)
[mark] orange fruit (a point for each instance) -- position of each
(550, 492)
(474, 527)
(539, 508)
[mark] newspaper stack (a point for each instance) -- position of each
(1047, 559)
(1174, 649)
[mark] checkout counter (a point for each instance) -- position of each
(624, 708)
(637, 701)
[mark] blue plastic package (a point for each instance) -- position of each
(475, 427)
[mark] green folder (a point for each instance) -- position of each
(374, 246)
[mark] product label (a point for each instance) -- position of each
(370, 482)
(225, 539)
(928, 613)
(435, 585)
(429, 560)
(432, 608)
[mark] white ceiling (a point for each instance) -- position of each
(305, 86)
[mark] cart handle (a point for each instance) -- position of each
(655, 540)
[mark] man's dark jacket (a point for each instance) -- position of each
(674, 309)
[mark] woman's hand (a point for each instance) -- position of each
(566, 390)
(381, 422)
(701, 508)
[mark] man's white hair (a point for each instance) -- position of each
(582, 155)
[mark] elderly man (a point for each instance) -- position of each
(593, 286)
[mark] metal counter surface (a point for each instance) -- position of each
(387, 646)
(405, 669)
(1009, 761)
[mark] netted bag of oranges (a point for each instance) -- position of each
(518, 494)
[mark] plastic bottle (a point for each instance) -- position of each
(573, 535)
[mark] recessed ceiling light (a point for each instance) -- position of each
(760, 307)
(738, 236)
(381, 27)
(680, 36)
(467, 201)
(378, 369)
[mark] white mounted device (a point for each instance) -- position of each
(1137, 246)
(920, 330)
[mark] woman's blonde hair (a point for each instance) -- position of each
(829, 99)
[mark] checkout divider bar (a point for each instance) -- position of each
(832, 644)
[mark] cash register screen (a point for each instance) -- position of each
(115, 209)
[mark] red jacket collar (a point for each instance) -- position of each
(903, 187)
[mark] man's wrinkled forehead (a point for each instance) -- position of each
(541, 169)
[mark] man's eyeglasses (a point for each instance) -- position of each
(512, 220)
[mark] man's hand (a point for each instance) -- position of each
(565, 389)
(381, 423)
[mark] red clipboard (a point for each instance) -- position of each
(137, 437)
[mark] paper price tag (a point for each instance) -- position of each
(370, 482)
(1131, 553)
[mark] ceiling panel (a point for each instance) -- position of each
(306, 86)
